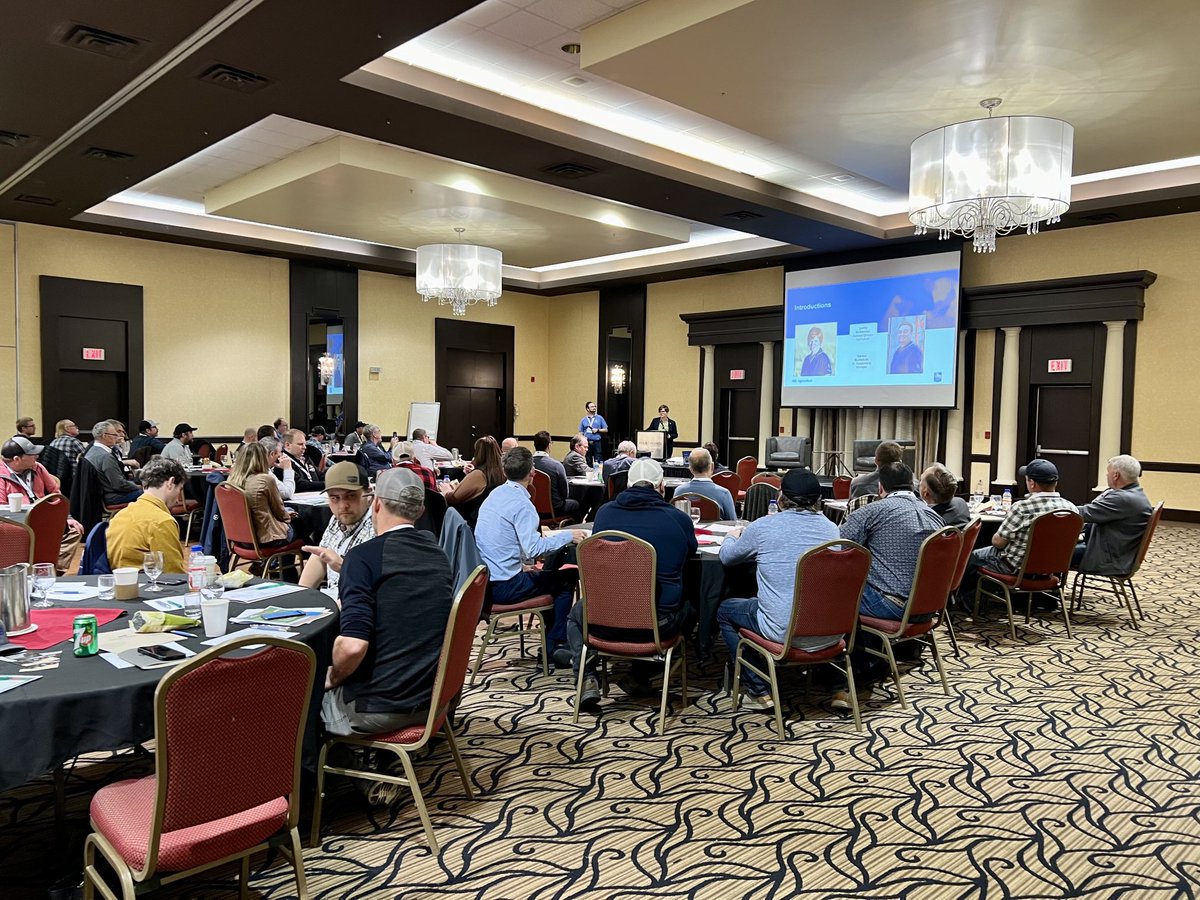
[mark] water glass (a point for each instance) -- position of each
(213, 588)
(696, 516)
(108, 586)
(152, 562)
(44, 577)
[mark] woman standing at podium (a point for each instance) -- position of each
(667, 426)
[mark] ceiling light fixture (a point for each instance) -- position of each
(459, 275)
(327, 366)
(616, 378)
(988, 177)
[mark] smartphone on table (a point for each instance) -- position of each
(162, 653)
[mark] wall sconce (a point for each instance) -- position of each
(616, 379)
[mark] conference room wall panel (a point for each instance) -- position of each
(573, 356)
(8, 328)
(216, 324)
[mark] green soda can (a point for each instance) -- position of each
(87, 636)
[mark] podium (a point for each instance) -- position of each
(652, 442)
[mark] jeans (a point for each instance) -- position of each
(735, 614)
(983, 558)
(561, 585)
(670, 623)
(868, 668)
(594, 456)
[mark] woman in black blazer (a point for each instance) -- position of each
(665, 424)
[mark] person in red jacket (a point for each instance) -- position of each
(21, 473)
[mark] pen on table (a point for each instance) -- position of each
(186, 634)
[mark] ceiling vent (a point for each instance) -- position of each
(102, 153)
(106, 43)
(1102, 217)
(36, 199)
(13, 139)
(234, 79)
(570, 170)
(743, 215)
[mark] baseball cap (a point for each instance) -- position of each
(19, 446)
(147, 424)
(399, 484)
(183, 428)
(645, 470)
(1040, 470)
(403, 450)
(346, 475)
(801, 484)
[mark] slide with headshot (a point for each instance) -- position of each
(872, 334)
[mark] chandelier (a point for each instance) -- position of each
(459, 275)
(326, 368)
(988, 177)
(616, 378)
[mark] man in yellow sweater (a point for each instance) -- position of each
(146, 524)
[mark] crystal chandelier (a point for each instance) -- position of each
(616, 378)
(459, 275)
(988, 177)
(326, 367)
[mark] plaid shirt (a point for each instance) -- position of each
(343, 540)
(1017, 523)
(428, 476)
(70, 447)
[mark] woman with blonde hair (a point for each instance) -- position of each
(485, 477)
(252, 475)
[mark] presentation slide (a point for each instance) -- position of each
(872, 334)
(333, 393)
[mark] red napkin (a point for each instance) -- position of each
(703, 531)
(56, 625)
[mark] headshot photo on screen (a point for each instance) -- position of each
(906, 340)
(819, 357)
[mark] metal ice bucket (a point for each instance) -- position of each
(14, 599)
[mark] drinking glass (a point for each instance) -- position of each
(43, 579)
(212, 587)
(696, 516)
(152, 566)
(108, 585)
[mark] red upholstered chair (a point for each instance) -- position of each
(186, 511)
(1052, 539)
(16, 542)
(48, 520)
(709, 511)
(829, 583)
(536, 608)
(970, 533)
(1122, 585)
(937, 563)
(539, 490)
(447, 686)
(729, 481)
(222, 454)
(617, 573)
(841, 488)
(227, 771)
(767, 478)
(747, 468)
(242, 540)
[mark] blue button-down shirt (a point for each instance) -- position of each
(508, 529)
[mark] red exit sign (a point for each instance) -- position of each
(737, 374)
(1059, 365)
(96, 353)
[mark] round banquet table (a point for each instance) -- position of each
(87, 705)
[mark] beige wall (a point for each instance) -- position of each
(8, 329)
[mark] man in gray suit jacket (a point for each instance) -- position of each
(1117, 521)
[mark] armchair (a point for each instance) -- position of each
(788, 452)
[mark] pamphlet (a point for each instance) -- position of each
(9, 682)
(263, 591)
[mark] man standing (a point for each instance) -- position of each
(701, 465)
(626, 454)
(179, 448)
(507, 535)
(349, 492)
(396, 593)
(575, 462)
(775, 543)
(893, 529)
(115, 486)
(428, 453)
(1117, 520)
(640, 510)
(148, 437)
(560, 491)
(21, 473)
(147, 524)
(374, 457)
(592, 426)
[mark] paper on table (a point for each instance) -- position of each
(309, 498)
(127, 639)
(710, 549)
(73, 592)
(8, 682)
(249, 632)
(142, 661)
(116, 662)
(263, 591)
(720, 529)
(304, 615)
(708, 540)
(165, 604)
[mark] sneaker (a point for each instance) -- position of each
(841, 699)
(634, 686)
(758, 703)
(561, 654)
(589, 701)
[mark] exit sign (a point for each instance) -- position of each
(1059, 365)
(737, 374)
(96, 353)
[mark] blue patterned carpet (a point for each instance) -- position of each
(1058, 769)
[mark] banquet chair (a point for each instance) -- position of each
(617, 590)
(1052, 538)
(859, 502)
(1121, 585)
(937, 565)
(185, 512)
(406, 742)
(731, 483)
(970, 533)
(201, 808)
(48, 520)
(767, 478)
(242, 539)
(16, 542)
(758, 501)
(539, 492)
(617, 482)
(709, 510)
(95, 551)
(222, 454)
(142, 454)
(829, 583)
(746, 468)
(841, 488)
(536, 607)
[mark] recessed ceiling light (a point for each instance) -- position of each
(843, 178)
(571, 48)
(575, 80)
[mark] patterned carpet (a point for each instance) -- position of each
(1058, 769)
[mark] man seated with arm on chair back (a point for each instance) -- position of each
(21, 473)
(575, 462)
(348, 490)
(640, 510)
(700, 462)
(396, 592)
(428, 452)
(893, 529)
(866, 483)
(114, 485)
(775, 543)
(147, 524)
(509, 542)
(1116, 521)
(560, 493)
(626, 454)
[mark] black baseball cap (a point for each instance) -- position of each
(801, 484)
(183, 428)
(147, 424)
(1041, 471)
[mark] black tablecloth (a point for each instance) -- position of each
(86, 705)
